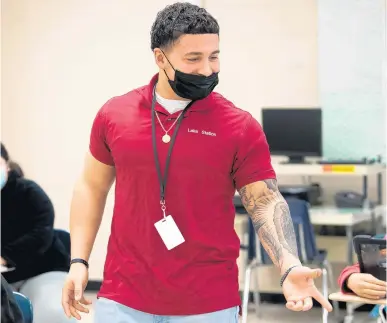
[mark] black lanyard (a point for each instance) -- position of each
(163, 181)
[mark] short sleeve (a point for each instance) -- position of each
(252, 162)
(99, 147)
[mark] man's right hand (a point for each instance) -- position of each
(367, 286)
(73, 300)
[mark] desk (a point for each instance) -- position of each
(308, 170)
(334, 216)
(364, 171)
(347, 218)
(314, 169)
(338, 216)
(348, 298)
(341, 217)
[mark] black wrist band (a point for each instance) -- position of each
(286, 274)
(79, 260)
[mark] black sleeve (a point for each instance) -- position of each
(40, 214)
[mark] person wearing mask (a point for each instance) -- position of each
(177, 152)
(37, 260)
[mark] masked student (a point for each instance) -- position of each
(36, 258)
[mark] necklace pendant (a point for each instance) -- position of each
(166, 138)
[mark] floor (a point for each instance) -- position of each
(273, 314)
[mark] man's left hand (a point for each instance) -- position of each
(299, 289)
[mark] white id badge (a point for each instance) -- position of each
(169, 232)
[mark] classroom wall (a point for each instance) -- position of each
(278, 66)
(268, 52)
(352, 77)
(61, 60)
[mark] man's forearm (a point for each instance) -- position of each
(272, 221)
(87, 208)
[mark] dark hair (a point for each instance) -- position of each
(179, 19)
(4, 153)
(15, 167)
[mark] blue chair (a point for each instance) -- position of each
(64, 237)
(308, 254)
(25, 306)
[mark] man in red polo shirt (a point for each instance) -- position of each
(177, 152)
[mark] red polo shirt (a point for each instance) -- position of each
(219, 148)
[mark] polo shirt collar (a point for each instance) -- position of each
(200, 105)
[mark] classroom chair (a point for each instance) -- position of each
(25, 306)
(308, 254)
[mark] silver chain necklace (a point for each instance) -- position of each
(167, 138)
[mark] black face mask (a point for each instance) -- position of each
(191, 86)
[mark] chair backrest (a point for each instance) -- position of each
(306, 241)
(25, 306)
(64, 237)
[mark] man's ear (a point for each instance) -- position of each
(160, 58)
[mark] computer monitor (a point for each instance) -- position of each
(293, 132)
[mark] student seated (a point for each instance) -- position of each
(351, 280)
(29, 243)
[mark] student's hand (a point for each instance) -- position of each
(3, 261)
(367, 286)
(73, 299)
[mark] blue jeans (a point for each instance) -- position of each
(108, 311)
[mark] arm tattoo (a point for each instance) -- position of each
(284, 224)
(271, 245)
(271, 219)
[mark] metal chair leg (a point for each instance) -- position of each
(349, 317)
(256, 295)
(381, 319)
(325, 294)
(328, 266)
(246, 290)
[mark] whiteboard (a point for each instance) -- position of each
(352, 80)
